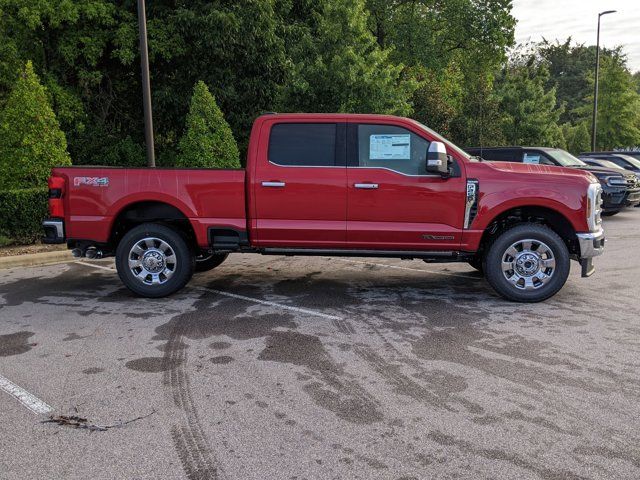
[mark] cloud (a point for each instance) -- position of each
(557, 20)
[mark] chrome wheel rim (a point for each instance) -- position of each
(528, 264)
(152, 261)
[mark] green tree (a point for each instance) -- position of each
(577, 137)
(531, 114)
(208, 141)
(618, 107)
(31, 142)
(452, 49)
(337, 64)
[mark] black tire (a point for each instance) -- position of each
(183, 266)
(204, 263)
(477, 263)
(610, 214)
(538, 233)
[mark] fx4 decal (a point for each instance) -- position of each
(91, 181)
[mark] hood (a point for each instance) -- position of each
(531, 168)
(602, 170)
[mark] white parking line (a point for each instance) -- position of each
(28, 400)
(242, 297)
(408, 268)
(271, 304)
(95, 266)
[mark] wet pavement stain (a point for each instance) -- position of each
(72, 336)
(327, 388)
(493, 454)
(222, 360)
(151, 364)
(220, 345)
(15, 343)
(69, 284)
(92, 370)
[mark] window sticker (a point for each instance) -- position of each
(393, 147)
(531, 158)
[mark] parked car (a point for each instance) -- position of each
(620, 189)
(622, 160)
(335, 185)
(631, 153)
(599, 162)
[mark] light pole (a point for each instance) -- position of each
(146, 84)
(595, 88)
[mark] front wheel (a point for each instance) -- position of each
(527, 263)
(154, 260)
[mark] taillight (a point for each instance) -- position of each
(56, 193)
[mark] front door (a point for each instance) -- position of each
(392, 202)
(300, 186)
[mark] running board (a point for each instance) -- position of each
(448, 256)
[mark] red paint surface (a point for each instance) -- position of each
(319, 207)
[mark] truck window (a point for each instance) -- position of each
(303, 144)
(391, 147)
(536, 157)
(501, 155)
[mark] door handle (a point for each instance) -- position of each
(273, 184)
(366, 186)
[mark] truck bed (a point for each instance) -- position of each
(96, 195)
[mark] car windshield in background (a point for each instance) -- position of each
(606, 163)
(565, 158)
(635, 163)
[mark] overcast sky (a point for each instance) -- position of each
(559, 19)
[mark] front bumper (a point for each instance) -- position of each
(633, 198)
(53, 231)
(591, 245)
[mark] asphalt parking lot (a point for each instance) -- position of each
(324, 368)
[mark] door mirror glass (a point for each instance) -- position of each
(437, 159)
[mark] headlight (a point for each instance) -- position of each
(616, 181)
(594, 203)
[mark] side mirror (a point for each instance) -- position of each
(437, 159)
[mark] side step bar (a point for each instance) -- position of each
(408, 254)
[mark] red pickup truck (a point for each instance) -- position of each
(335, 185)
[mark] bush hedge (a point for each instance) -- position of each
(21, 214)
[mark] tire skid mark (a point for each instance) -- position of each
(189, 438)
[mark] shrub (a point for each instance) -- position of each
(208, 141)
(21, 214)
(31, 142)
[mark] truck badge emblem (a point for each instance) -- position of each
(91, 181)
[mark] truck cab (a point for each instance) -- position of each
(335, 185)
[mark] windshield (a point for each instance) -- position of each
(633, 161)
(565, 158)
(606, 163)
(440, 138)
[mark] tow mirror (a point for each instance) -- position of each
(437, 159)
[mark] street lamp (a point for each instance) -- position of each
(595, 88)
(146, 84)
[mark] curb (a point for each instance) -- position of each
(35, 259)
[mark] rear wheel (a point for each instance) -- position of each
(204, 263)
(154, 260)
(527, 263)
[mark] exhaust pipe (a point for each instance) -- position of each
(93, 253)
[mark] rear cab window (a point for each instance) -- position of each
(306, 144)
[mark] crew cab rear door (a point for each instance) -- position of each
(299, 184)
(392, 202)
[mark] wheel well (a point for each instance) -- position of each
(151, 211)
(540, 215)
